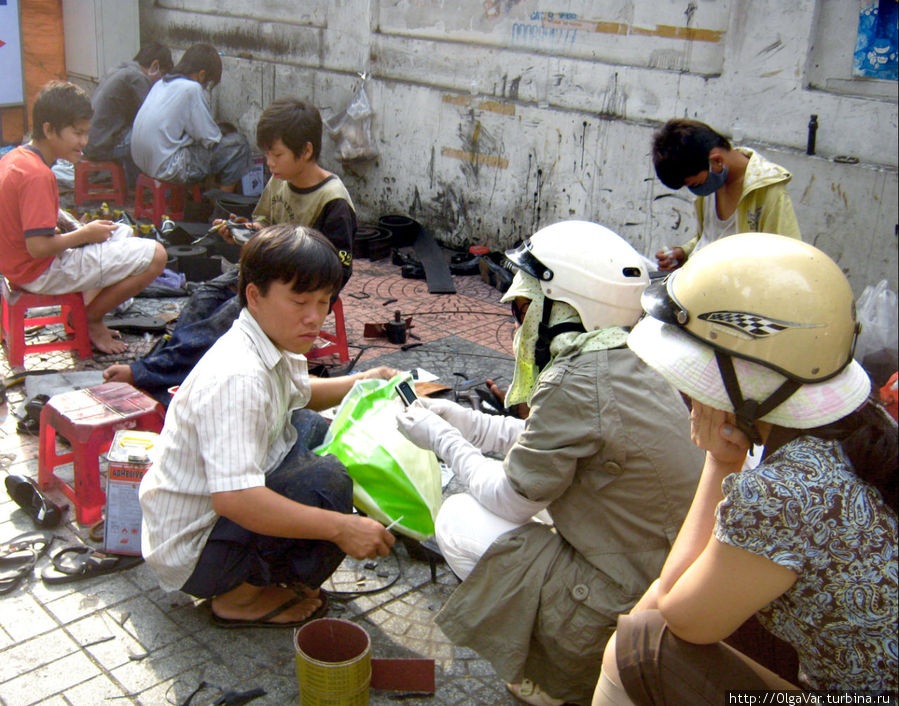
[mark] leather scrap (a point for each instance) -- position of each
(410, 675)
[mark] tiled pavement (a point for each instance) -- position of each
(119, 639)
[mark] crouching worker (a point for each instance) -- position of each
(605, 449)
(759, 330)
(237, 508)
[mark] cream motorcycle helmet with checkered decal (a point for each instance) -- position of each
(758, 324)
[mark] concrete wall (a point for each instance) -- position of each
(495, 117)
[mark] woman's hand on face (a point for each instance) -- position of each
(716, 432)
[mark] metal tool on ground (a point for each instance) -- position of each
(379, 330)
(396, 329)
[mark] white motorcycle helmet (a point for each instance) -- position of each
(589, 267)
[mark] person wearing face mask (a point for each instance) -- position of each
(116, 101)
(175, 137)
(604, 454)
(739, 190)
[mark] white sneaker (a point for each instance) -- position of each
(531, 693)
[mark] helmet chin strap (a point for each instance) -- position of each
(747, 412)
(546, 334)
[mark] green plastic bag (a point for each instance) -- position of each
(392, 477)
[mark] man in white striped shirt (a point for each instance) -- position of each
(236, 508)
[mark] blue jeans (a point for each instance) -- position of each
(227, 161)
(208, 314)
(234, 555)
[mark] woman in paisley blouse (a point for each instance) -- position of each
(759, 330)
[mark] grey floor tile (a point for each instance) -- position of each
(143, 620)
(82, 598)
(31, 654)
(162, 665)
(99, 690)
(23, 616)
(105, 640)
(49, 679)
(178, 689)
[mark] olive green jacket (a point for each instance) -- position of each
(607, 444)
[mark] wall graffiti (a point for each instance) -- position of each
(542, 35)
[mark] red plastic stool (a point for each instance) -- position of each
(165, 198)
(89, 419)
(338, 340)
(15, 319)
(113, 191)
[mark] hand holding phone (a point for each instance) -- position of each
(406, 393)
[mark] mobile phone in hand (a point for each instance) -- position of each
(406, 393)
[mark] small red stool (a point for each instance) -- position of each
(89, 419)
(113, 191)
(338, 340)
(165, 198)
(15, 319)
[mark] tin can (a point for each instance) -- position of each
(129, 457)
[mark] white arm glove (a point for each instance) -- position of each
(485, 477)
(489, 432)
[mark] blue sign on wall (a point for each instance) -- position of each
(12, 88)
(877, 48)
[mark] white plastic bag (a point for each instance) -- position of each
(351, 129)
(877, 348)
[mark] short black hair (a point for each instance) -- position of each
(681, 149)
(295, 255)
(155, 52)
(295, 122)
(61, 104)
(201, 57)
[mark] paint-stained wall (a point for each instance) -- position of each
(494, 117)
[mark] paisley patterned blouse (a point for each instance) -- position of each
(805, 509)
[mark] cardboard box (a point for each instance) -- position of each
(129, 457)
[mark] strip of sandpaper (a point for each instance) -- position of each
(411, 675)
(433, 259)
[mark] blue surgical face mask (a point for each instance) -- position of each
(713, 182)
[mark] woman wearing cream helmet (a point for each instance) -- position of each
(759, 331)
(605, 451)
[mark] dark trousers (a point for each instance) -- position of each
(234, 555)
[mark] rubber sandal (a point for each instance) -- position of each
(18, 557)
(38, 540)
(14, 567)
(27, 495)
(265, 621)
(77, 562)
(136, 324)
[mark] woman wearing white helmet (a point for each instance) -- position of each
(759, 331)
(605, 450)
